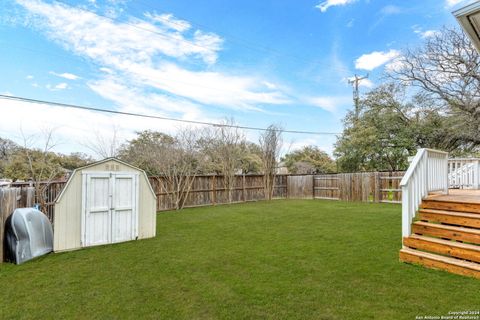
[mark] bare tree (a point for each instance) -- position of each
(178, 163)
(270, 145)
(447, 68)
(223, 146)
(40, 165)
(104, 146)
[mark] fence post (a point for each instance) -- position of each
(313, 186)
(243, 189)
(286, 193)
(214, 189)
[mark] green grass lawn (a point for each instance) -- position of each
(266, 260)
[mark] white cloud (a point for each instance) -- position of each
(66, 75)
(270, 85)
(136, 57)
(134, 100)
(324, 143)
(100, 38)
(29, 77)
(61, 86)
(169, 21)
(206, 87)
(456, 4)
(428, 33)
(375, 59)
(323, 6)
(394, 65)
(424, 34)
(106, 70)
(366, 83)
(57, 87)
(451, 3)
(391, 10)
(350, 23)
(299, 144)
(329, 103)
(72, 126)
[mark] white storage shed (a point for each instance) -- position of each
(105, 202)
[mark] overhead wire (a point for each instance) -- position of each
(74, 106)
(145, 115)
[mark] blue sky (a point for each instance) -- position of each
(260, 62)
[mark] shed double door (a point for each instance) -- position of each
(110, 212)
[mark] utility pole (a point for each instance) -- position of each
(356, 96)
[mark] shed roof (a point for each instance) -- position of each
(100, 162)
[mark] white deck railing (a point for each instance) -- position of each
(428, 172)
(463, 173)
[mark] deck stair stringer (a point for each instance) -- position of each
(446, 236)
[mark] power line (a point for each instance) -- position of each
(65, 105)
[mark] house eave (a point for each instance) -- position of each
(467, 17)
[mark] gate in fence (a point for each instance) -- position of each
(365, 187)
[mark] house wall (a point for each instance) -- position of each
(68, 208)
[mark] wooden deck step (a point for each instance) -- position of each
(449, 232)
(434, 261)
(450, 217)
(445, 247)
(450, 205)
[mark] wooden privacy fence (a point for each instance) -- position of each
(365, 186)
(10, 199)
(300, 187)
(50, 192)
(209, 190)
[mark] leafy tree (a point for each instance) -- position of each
(145, 149)
(176, 159)
(33, 164)
(74, 160)
(389, 128)
(309, 160)
(251, 158)
(7, 149)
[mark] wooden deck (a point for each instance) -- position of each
(457, 195)
(446, 233)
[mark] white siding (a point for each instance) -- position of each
(68, 209)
